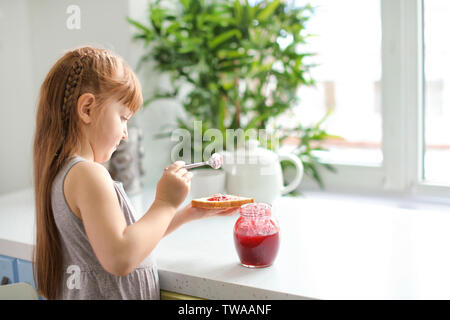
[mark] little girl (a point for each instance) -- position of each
(88, 244)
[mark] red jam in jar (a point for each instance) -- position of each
(256, 235)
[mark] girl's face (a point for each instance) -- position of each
(109, 130)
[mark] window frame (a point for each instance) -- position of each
(402, 93)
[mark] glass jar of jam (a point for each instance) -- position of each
(256, 235)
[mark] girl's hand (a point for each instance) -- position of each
(194, 213)
(174, 185)
(189, 213)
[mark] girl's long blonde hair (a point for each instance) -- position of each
(58, 134)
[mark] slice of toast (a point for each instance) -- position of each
(220, 201)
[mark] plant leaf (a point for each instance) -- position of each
(224, 37)
(268, 11)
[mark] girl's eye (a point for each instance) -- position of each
(124, 119)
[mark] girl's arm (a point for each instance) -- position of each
(118, 247)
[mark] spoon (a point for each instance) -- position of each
(214, 162)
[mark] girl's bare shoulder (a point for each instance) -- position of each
(86, 178)
(90, 170)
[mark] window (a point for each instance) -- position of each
(437, 91)
(348, 73)
(393, 107)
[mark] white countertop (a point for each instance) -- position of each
(332, 247)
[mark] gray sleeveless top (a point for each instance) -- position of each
(84, 277)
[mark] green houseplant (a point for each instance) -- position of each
(242, 62)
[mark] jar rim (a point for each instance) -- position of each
(256, 209)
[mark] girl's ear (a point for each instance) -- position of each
(85, 106)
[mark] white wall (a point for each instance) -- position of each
(16, 96)
(157, 114)
(33, 35)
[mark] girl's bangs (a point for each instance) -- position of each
(129, 90)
